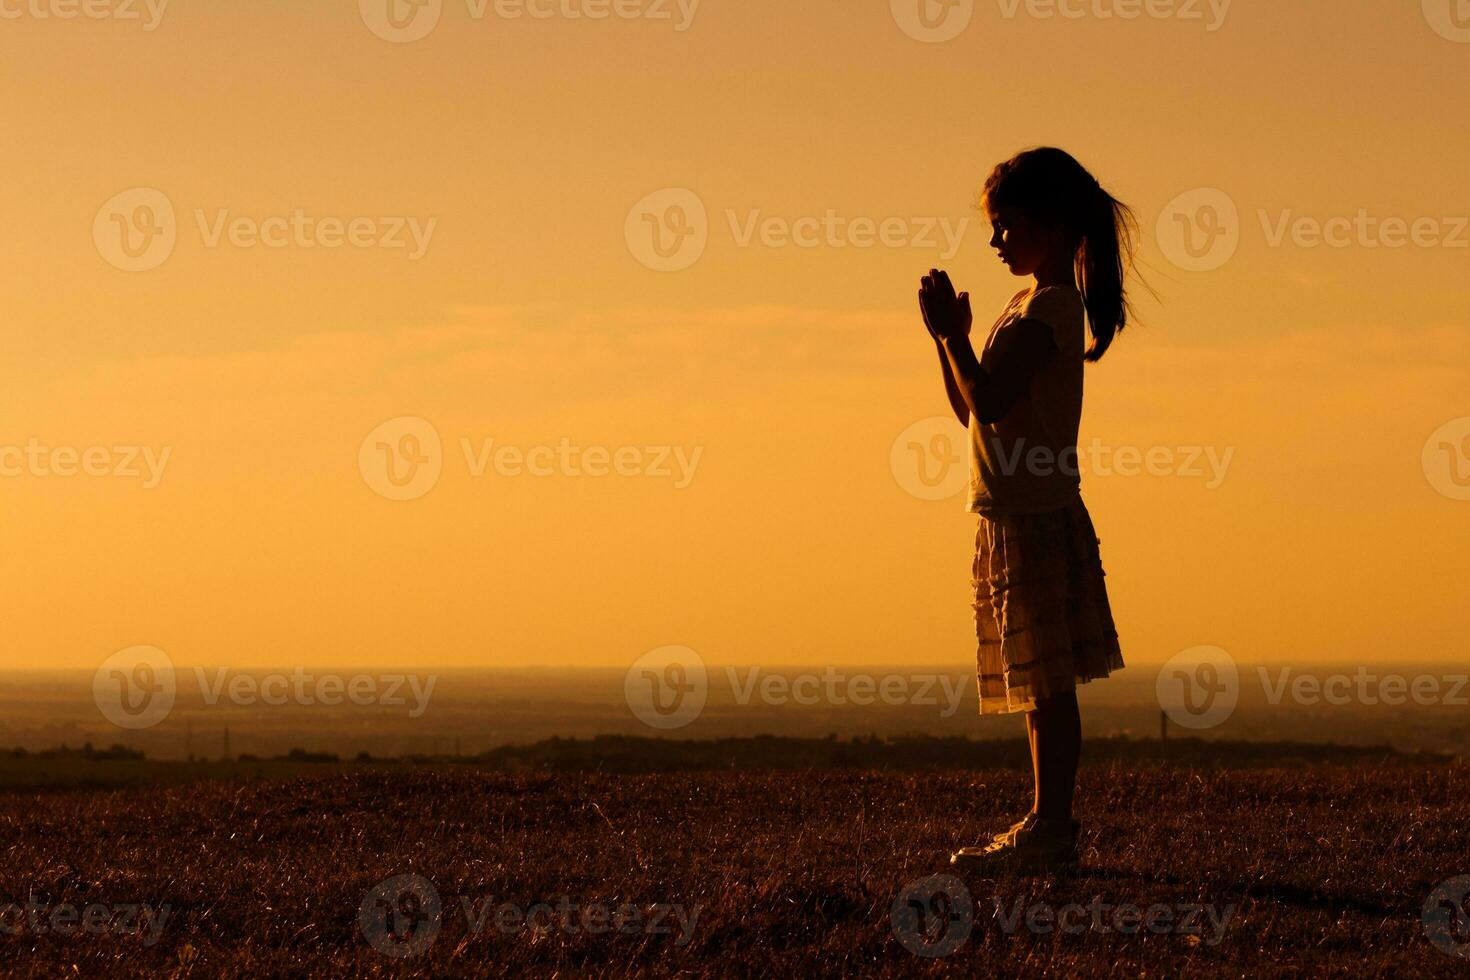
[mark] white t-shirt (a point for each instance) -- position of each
(1027, 462)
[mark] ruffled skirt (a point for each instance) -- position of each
(1042, 617)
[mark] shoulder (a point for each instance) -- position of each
(1063, 301)
(1062, 310)
(1017, 303)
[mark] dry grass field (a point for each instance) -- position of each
(1188, 871)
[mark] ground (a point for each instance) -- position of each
(1286, 871)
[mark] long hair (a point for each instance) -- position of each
(1049, 187)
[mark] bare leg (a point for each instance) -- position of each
(1035, 759)
(1055, 730)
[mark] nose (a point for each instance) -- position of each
(996, 240)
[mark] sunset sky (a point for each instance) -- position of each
(518, 148)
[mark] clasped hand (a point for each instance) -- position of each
(945, 314)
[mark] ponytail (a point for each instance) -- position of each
(1104, 254)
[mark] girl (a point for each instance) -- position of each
(1041, 610)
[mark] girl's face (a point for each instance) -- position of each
(1022, 245)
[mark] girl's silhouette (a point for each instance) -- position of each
(1041, 609)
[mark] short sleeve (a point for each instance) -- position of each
(1062, 310)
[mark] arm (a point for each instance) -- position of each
(956, 399)
(992, 395)
(951, 389)
(989, 396)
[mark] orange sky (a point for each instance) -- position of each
(783, 373)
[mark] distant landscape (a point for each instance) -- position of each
(465, 713)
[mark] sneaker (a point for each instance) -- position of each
(1039, 844)
(1005, 835)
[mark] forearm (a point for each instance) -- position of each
(951, 390)
(970, 382)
